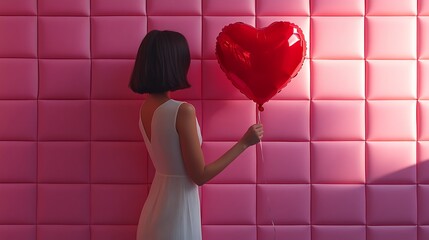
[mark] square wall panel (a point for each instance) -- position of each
(423, 41)
(242, 170)
(189, 26)
(64, 37)
(337, 79)
(220, 113)
(282, 7)
(64, 79)
(113, 232)
(229, 232)
(284, 162)
(338, 162)
(18, 37)
(64, 120)
(286, 120)
(110, 78)
(63, 232)
(299, 232)
(229, 7)
(391, 37)
(391, 162)
(423, 161)
(328, 43)
(212, 26)
(114, 7)
(338, 120)
(238, 200)
(423, 79)
(423, 126)
(118, 204)
(423, 199)
(339, 232)
(18, 232)
(283, 204)
(115, 120)
(63, 204)
(118, 162)
(18, 204)
(338, 204)
(337, 7)
(117, 37)
(63, 162)
(392, 232)
(391, 120)
(215, 84)
(18, 161)
(25, 7)
(18, 120)
(171, 8)
(18, 78)
(391, 79)
(391, 205)
(391, 7)
(64, 7)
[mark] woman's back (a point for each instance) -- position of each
(172, 209)
(164, 146)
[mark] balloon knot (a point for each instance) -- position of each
(261, 108)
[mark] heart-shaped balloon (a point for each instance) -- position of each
(260, 62)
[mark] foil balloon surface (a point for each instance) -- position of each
(260, 62)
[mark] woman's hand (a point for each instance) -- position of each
(253, 135)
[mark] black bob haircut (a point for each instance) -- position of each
(161, 64)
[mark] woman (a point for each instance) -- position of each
(172, 136)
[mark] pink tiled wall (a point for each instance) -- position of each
(346, 148)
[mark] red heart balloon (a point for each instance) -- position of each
(260, 62)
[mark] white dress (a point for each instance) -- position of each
(172, 208)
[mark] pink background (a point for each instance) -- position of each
(346, 149)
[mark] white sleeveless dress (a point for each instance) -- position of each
(172, 208)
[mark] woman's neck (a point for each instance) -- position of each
(159, 96)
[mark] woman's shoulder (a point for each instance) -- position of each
(186, 109)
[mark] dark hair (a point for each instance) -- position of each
(162, 63)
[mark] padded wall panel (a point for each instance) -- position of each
(19, 120)
(114, 8)
(19, 36)
(64, 79)
(63, 204)
(63, 162)
(18, 162)
(349, 156)
(275, 155)
(25, 7)
(72, 32)
(321, 232)
(18, 232)
(51, 232)
(345, 154)
(18, 78)
(64, 7)
(349, 45)
(112, 37)
(337, 8)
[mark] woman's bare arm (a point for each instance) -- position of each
(192, 154)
